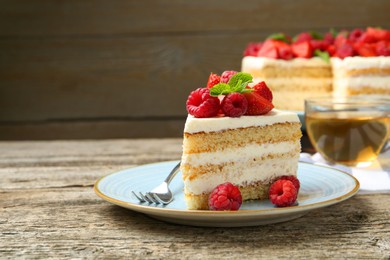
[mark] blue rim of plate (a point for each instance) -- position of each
(301, 116)
(146, 208)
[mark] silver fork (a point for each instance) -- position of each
(161, 194)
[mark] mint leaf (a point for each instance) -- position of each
(316, 35)
(333, 32)
(279, 37)
(220, 89)
(237, 87)
(237, 83)
(246, 90)
(323, 55)
(245, 78)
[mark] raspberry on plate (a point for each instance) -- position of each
(201, 104)
(225, 196)
(283, 193)
(293, 179)
(234, 105)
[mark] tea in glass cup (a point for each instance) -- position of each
(350, 131)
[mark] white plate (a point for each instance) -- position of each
(320, 187)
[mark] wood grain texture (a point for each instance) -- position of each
(49, 210)
(98, 61)
(93, 128)
(102, 17)
(98, 78)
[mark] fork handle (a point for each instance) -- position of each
(173, 173)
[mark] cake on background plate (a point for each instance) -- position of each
(311, 65)
(233, 134)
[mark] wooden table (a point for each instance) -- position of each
(48, 209)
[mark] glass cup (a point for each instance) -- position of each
(350, 131)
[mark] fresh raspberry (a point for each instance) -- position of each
(214, 79)
(303, 37)
(257, 105)
(225, 196)
(341, 38)
(318, 45)
(293, 179)
(226, 75)
(234, 105)
(201, 104)
(252, 48)
(383, 48)
(344, 50)
(355, 35)
(262, 89)
(283, 193)
(329, 38)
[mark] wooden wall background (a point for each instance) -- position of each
(123, 69)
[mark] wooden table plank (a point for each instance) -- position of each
(88, 152)
(48, 209)
(93, 129)
(81, 17)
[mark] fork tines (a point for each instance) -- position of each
(147, 197)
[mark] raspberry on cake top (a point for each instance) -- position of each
(234, 135)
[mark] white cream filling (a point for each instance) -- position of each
(214, 124)
(250, 63)
(240, 154)
(358, 62)
(242, 175)
(314, 82)
(359, 82)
